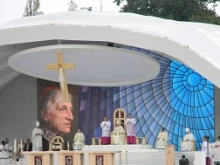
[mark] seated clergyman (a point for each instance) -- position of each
(162, 139)
(79, 139)
(118, 134)
(187, 144)
(214, 150)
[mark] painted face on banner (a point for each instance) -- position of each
(59, 115)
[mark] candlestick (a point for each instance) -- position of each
(15, 145)
(21, 146)
(68, 145)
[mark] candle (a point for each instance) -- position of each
(15, 145)
(21, 146)
(68, 145)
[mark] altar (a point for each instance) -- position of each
(123, 155)
(101, 157)
(39, 158)
(70, 157)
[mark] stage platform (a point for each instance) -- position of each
(138, 154)
(123, 148)
(131, 155)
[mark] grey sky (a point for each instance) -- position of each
(13, 9)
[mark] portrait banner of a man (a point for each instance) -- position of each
(57, 118)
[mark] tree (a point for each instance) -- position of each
(32, 8)
(180, 10)
(72, 6)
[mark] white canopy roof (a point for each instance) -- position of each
(195, 44)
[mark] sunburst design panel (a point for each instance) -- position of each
(177, 98)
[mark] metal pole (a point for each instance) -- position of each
(21, 157)
(15, 158)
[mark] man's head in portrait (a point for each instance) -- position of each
(56, 113)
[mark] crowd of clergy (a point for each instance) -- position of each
(6, 152)
(37, 134)
(118, 135)
(211, 150)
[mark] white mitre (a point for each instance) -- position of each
(37, 123)
(187, 129)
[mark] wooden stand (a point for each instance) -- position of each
(70, 157)
(140, 140)
(96, 141)
(101, 157)
(170, 155)
(39, 158)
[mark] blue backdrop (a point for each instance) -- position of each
(177, 98)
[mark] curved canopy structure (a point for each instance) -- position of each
(95, 65)
(195, 44)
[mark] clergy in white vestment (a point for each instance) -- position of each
(118, 134)
(215, 149)
(130, 130)
(37, 134)
(187, 142)
(79, 139)
(9, 150)
(162, 139)
(3, 154)
(105, 125)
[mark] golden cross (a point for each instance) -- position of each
(61, 66)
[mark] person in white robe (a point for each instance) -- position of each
(9, 150)
(162, 139)
(1, 150)
(4, 154)
(130, 130)
(79, 139)
(105, 125)
(1, 153)
(187, 142)
(215, 149)
(37, 134)
(118, 134)
(205, 147)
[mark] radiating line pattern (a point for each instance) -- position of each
(177, 98)
(192, 100)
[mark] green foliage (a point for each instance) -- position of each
(72, 6)
(180, 10)
(32, 8)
